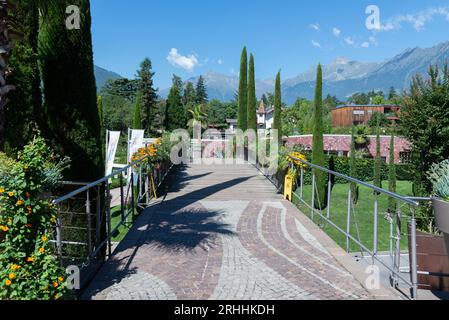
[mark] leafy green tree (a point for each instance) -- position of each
(277, 121)
(252, 100)
(123, 87)
(147, 94)
(391, 177)
(243, 92)
(176, 117)
(378, 100)
(378, 118)
(22, 114)
(201, 91)
(66, 61)
(218, 112)
(117, 113)
(137, 116)
(318, 142)
(425, 122)
(293, 117)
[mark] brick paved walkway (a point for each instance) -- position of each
(222, 232)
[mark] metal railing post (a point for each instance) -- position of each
(414, 266)
(313, 193)
(108, 217)
(98, 218)
(59, 235)
(397, 254)
(301, 187)
(348, 219)
(375, 223)
(122, 200)
(132, 197)
(89, 226)
(329, 191)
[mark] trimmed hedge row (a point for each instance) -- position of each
(364, 172)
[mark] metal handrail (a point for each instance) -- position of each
(363, 183)
(98, 182)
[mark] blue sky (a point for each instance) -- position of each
(189, 38)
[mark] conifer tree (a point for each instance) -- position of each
(318, 143)
(148, 95)
(252, 100)
(137, 116)
(72, 121)
(277, 121)
(243, 92)
(176, 117)
(201, 91)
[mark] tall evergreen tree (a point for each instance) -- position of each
(392, 177)
(137, 116)
(318, 141)
(66, 60)
(252, 100)
(277, 121)
(189, 98)
(148, 95)
(176, 117)
(378, 160)
(243, 92)
(201, 91)
(23, 111)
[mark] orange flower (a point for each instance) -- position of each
(11, 194)
(30, 259)
(30, 210)
(15, 267)
(4, 228)
(19, 202)
(41, 250)
(28, 225)
(55, 284)
(44, 238)
(61, 279)
(12, 276)
(8, 282)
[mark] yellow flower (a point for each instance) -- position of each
(44, 238)
(15, 267)
(55, 284)
(56, 296)
(41, 250)
(4, 228)
(11, 194)
(61, 279)
(2, 190)
(8, 282)
(12, 276)
(30, 259)
(19, 202)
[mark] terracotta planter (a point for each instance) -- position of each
(441, 210)
(433, 257)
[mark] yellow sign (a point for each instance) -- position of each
(288, 187)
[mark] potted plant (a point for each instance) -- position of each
(439, 176)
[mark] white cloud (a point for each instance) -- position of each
(336, 32)
(350, 41)
(187, 63)
(315, 26)
(219, 61)
(316, 44)
(417, 20)
(365, 44)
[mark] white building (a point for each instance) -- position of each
(264, 118)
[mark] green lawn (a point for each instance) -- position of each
(115, 220)
(363, 216)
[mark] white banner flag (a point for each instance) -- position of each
(111, 149)
(134, 144)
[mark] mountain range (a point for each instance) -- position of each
(341, 78)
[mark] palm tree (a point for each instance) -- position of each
(199, 117)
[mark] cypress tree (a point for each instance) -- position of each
(137, 116)
(392, 177)
(148, 95)
(252, 100)
(176, 117)
(100, 115)
(277, 121)
(353, 169)
(318, 143)
(71, 114)
(23, 111)
(378, 161)
(201, 91)
(243, 91)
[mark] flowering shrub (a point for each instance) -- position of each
(297, 155)
(154, 154)
(28, 266)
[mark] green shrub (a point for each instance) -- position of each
(28, 266)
